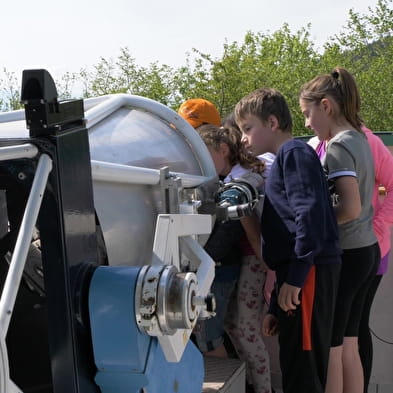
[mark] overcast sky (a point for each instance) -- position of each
(69, 35)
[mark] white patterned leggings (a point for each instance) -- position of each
(243, 324)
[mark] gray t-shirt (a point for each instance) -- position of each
(349, 154)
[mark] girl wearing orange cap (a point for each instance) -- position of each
(199, 111)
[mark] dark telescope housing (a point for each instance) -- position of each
(238, 197)
(45, 115)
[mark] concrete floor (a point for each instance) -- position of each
(381, 324)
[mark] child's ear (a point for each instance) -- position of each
(224, 149)
(273, 122)
(326, 105)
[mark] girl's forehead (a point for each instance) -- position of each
(305, 104)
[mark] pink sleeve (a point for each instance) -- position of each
(383, 211)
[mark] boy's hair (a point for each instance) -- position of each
(213, 136)
(263, 103)
(341, 87)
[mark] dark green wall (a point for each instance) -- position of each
(386, 136)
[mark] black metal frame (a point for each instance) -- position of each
(67, 229)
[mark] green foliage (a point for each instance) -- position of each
(282, 59)
(365, 47)
(9, 92)
(65, 85)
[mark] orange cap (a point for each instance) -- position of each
(198, 111)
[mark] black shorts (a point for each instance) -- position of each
(359, 267)
(305, 343)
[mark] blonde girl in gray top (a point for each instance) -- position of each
(330, 104)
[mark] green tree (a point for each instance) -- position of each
(282, 59)
(9, 91)
(65, 85)
(365, 48)
(123, 75)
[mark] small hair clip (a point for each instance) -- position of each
(335, 74)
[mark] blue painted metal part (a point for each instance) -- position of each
(126, 359)
(183, 377)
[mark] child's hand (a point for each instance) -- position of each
(288, 297)
(269, 285)
(270, 325)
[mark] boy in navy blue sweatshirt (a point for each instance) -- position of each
(300, 242)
